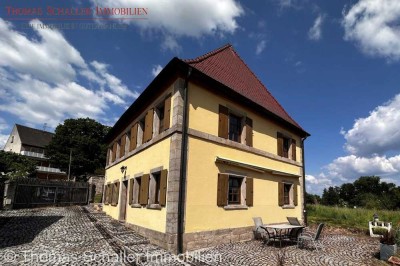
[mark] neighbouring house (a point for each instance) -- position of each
(31, 142)
(202, 150)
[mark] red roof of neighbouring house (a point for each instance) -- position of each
(225, 66)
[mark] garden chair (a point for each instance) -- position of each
(266, 235)
(294, 233)
(315, 239)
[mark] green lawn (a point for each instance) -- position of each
(349, 218)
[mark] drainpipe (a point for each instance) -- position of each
(304, 182)
(182, 174)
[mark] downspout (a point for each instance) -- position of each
(182, 174)
(304, 182)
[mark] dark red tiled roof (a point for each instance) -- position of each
(225, 66)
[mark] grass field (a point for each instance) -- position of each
(349, 218)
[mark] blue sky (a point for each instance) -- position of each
(333, 65)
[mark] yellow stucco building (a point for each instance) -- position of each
(203, 150)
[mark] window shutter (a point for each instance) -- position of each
(105, 193)
(295, 195)
(110, 193)
(222, 194)
(294, 149)
(249, 191)
(280, 194)
(130, 195)
(148, 126)
(133, 140)
(280, 144)
(144, 189)
(122, 146)
(167, 112)
(223, 122)
(117, 193)
(163, 187)
(114, 151)
(249, 132)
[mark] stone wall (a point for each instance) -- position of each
(198, 240)
(98, 181)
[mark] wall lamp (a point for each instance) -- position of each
(123, 169)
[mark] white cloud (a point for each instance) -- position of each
(296, 4)
(378, 133)
(3, 137)
(373, 26)
(156, 70)
(39, 79)
(177, 18)
(315, 32)
(261, 46)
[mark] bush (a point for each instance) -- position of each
(98, 198)
(379, 231)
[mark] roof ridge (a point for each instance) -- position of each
(262, 84)
(207, 55)
(41, 130)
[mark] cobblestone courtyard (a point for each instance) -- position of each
(81, 236)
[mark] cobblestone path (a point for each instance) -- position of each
(81, 236)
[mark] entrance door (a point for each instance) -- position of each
(124, 200)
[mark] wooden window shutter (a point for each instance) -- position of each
(294, 149)
(110, 193)
(105, 193)
(280, 144)
(249, 132)
(148, 126)
(223, 122)
(295, 195)
(130, 195)
(114, 151)
(281, 194)
(163, 187)
(167, 112)
(133, 140)
(222, 194)
(117, 193)
(249, 191)
(122, 146)
(144, 189)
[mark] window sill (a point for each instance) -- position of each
(236, 207)
(288, 207)
(114, 204)
(106, 203)
(136, 205)
(154, 206)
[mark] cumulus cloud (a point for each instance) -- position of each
(368, 143)
(373, 26)
(39, 78)
(261, 46)
(177, 18)
(377, 133)
(3, 137)
(156, 70)
(315, 32)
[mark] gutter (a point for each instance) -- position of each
(182, 174)
(304, 214)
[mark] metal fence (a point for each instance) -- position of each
(26, 193)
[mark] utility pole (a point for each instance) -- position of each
(69, 167)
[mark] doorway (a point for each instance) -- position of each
(124, 200)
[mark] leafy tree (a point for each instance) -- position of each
(347, 193)
(331, 196)
(312, 199)
(84, 138)
(368, 184)
(13, 165)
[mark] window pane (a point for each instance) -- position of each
(234, 127)
(286, 195)
(234, 190)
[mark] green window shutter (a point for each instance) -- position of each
(295, 195)
(222, 194)
(167, 112)
(163, 187)
(280, 143)
(133, 140)
(294, 149)
(144, 189)
(223, 122)
(148, 126)
(249, 132)
(281, 194)
(130, 195)
(249, 191)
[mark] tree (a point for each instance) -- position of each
(85, 139)
(13, 165)
(312, 199)
(331, 196)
